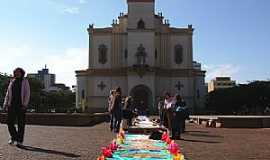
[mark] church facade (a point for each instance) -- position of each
(141, 53)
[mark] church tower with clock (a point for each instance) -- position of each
(141, 53)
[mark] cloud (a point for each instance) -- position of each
(71, 10)
(63, 63)
(82, 1)
(221, 70)
(67, 8)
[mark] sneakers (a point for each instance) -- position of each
(11, 142)
(19, 144)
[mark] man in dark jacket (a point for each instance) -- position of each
(178, 118)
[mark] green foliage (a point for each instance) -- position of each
(250, 98)
(4, 81)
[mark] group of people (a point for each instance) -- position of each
(120, 108)
(173, 113)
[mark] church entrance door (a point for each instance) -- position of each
(142, 97)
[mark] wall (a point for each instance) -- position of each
(135, 38)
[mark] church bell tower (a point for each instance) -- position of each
(141, 32)
(141, 11)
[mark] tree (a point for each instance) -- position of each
(250, 98)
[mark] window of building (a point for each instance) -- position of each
(83, 94)
(102, 56)
(178, 54)
(141, 24)
(126, 53)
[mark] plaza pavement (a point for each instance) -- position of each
(68, 143)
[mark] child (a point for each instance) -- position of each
(178, 117)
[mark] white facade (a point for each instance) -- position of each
(144, 56)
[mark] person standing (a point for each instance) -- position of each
(117, 110)
(16, 102)
(178, 117)
(168, 110)
(128, 112)
(110, 103)
(161, 110)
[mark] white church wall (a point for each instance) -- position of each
(162, 85)
(97, 41)
(81, 87)
(187, 51)
(120, 82)
(186, 89)
(135, 80)
(97, 81)
(200, 86)
(147, 39)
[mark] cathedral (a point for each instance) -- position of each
(145, 56)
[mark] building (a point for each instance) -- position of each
(145, 56)
(221, 83)
(45, 77)
(48, 80)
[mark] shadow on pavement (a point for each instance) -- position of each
(196, 132)
(205, 135)
(200, 141)
(41, 150)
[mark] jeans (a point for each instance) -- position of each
(116, 118)
(161, 117)
(16, 113)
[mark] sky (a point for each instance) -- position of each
(231, 37)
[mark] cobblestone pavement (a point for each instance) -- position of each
(64, 143)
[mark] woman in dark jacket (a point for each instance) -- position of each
(16, 101)
(116, 110)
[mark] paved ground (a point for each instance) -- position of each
(64, 143)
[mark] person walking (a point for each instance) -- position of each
(117, 110)
(16, 102)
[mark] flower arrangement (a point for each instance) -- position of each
(172, 147)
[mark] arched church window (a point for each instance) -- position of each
(141, 24)
(83, 94)
(178, 54)
(126, 53)
(102, 56)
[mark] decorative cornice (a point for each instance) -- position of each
(132, 1)
(181, 31)
(141, 30)
(102, 30)
(158, 72)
